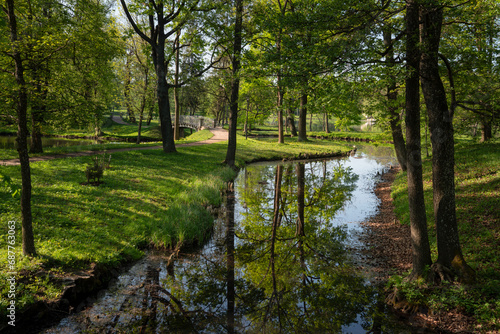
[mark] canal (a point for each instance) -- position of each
(284, 257)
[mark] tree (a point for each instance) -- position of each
(472, 71)
(164, 22)
(418, 220)
(392, 99)
(235, 84)
(22, 132)
(138, 81)
(443, 149)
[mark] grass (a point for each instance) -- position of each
(477, 178)
(12, 154)
(380, 137)
(147, 198)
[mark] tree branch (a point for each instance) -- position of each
(134, 25)
(453, 95)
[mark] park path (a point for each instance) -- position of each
(219, 135)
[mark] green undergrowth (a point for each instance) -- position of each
(147, 198)
(477, 177)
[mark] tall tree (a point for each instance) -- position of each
(28, 241)
(162, 25)
(165, 20)
(473, 74)
(235, 84)
(418, 220)
(443, 149)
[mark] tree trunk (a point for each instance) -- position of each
(235, 86)
(418, 220)
(126, 90)
(167, 133)
(246, 117)
(281, 137)
(486, 133)
(443, 160)
(37, 113)
(291, 123)
(28, 241)
(142, 107)
(392, 97)
(176, 89)
(303, 117)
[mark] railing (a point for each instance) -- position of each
(194, 122)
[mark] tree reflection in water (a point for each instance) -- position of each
(283, 266)
(277, 263)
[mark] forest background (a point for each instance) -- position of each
(278, 67)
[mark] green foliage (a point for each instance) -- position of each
(13, 189)
(95, 169)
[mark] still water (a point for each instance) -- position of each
(282, 259)
(9, 142)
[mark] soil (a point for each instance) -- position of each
(389, 253)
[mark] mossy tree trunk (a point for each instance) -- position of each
(443, 150)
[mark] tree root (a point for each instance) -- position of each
(398, 301)
(459, 271)
(440, 273)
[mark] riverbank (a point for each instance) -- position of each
(450, 307)
(148, 199)
(389, 252)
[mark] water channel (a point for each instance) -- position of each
(9, 142)
(282, 259)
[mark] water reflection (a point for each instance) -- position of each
(9, 142)
(278, 262)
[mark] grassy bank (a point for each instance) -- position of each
(477, 178)
(12, 154)
(147, 198)
(380, 137)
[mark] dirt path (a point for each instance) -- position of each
(389, 242)
(219, 135)
(389, 253)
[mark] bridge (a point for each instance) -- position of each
(194, 122)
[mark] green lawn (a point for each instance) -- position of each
(147, 198)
